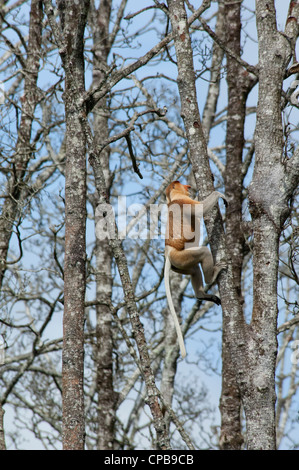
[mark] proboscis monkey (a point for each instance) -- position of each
(182, 253)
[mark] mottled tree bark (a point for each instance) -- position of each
(273, 183)
(239, 84)
(69, 36)
(100, 22)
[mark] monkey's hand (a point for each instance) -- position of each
(223, 198)
(210, 201)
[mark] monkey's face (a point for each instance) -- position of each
(185, 188)
(176, 187)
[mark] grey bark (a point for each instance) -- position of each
(69, 35)
(239, 84)
(100, 22)
(273, 183)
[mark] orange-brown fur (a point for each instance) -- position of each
(177, 233)
(182, 232)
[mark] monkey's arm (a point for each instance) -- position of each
(171, 306)
(210, 201)
(200, 208)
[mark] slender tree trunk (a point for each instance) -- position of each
(74, 286)
(104, 331)
(239, 84)
(2, 434)
(70, 38)
(271, 187)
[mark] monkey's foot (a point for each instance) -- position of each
(221, 266)
(215, 299)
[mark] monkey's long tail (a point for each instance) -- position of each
(171, 307)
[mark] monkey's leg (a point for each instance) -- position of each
(204, 257)
(186, 262)
(197, 284)
(186, 259)
(210, 270)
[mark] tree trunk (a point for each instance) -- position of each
(71, 42)
(2, 434)
(100, 22)
(269, 192)
(239, 84)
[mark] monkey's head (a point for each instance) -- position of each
(177, 187)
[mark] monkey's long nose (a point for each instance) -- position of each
(187, 186)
